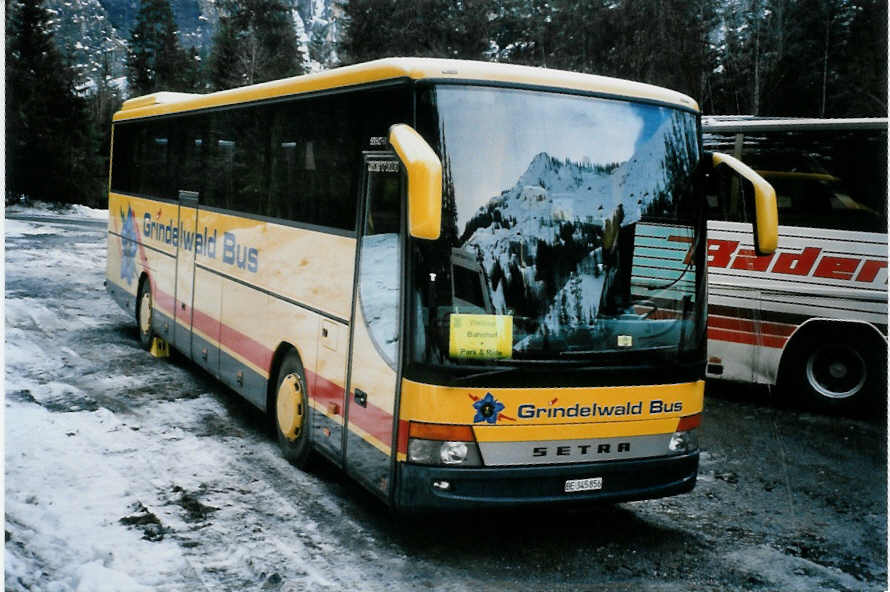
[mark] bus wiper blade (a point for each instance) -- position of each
(602, 353)
(494, 372)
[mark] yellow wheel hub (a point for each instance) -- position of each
(145, 312)
(290, 407)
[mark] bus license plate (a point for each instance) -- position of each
(592, 484)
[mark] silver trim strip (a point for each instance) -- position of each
(549, 452)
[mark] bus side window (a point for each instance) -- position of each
(820, 180)
(220, 162)
(380, 263)
(123, 161)
(156, 174)
(189, 141)
(309, 164)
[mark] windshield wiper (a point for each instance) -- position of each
(494, 372)
(602, 353)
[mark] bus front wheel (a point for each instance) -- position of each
(144, 313)
(838, 369)
(290, 408)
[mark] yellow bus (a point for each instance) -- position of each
(467, 284)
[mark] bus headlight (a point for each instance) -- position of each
(683, 442)
(453, 453)
(684, 439)
(441, 444)
(450, 453)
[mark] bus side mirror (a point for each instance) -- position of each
(424, 181)
(766, 213)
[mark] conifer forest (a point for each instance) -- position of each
(71, 63)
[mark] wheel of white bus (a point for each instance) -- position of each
(290, 409)
(840, 369)
(144, 313)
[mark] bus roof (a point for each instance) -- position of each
(747, 123)
(162, 103)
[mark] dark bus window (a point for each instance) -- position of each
(237, 159)
(122, 159)
(297, 160)
(823, 179)
(190, 142)
(157, 168)
(316, 152)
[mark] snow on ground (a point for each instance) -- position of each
(42, 208)
(128, 473)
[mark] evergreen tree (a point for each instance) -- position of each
(863, 60)
(433, 28)
(155, 60)
(826, 58)
(523, 32)
(50, 149)
(664, 43)
(255, 42)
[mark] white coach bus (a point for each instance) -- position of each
(812, 317)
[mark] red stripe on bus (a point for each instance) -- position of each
(164, 301)
(735, 324)
(747, 338)
(206, 324)
(324, 391)
(252, 351)
(373, 420)
(403, 437)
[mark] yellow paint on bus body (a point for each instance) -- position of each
(242, 266)
(556, 413)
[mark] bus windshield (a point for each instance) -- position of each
(571, 227)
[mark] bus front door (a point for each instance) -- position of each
(374, 343)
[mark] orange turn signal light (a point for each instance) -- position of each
(690, 422)
(443, 432)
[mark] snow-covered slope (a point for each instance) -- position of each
(94, 33)
(548, 230)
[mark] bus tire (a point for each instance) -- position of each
(838, 368)
(290, 411)
(144, 314)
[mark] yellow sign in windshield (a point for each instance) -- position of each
(481, 336)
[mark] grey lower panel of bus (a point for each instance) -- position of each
(207, 355)
(326, 434)
(123, 298)
(518, 486)
(364, 462)
(241, 378)
(368, 464)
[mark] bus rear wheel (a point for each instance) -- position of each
(838, 370)
(144, 314)
(290, 409)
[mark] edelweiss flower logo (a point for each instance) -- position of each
(487, 409)
(129, 245)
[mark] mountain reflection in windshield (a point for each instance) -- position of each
(581, 254)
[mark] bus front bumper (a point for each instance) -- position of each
(421, 487)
